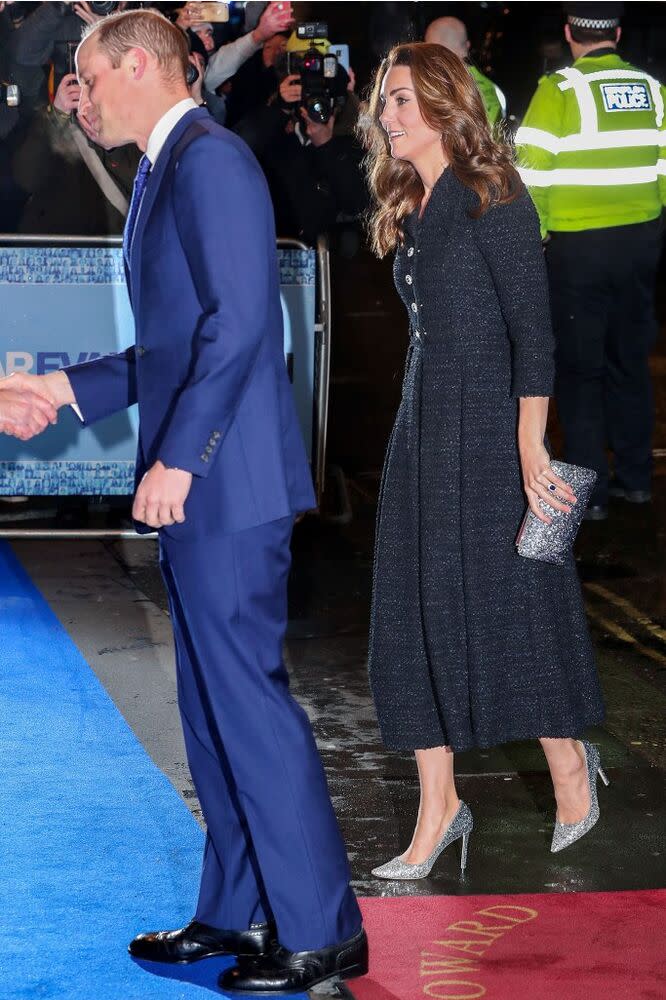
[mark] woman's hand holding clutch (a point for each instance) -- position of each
(541, 482)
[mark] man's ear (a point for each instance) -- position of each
(567, 33)
(136, 63)
(618, 34)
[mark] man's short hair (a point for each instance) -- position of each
(117, 33)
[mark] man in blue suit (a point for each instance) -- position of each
(221, 472)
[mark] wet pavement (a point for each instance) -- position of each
(110, 597)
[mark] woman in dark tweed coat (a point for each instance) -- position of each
(471, 644)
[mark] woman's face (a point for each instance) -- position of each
(410, 138)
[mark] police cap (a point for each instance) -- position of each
(594, 15)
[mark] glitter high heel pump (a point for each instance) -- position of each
(566, 834)
(460, 827)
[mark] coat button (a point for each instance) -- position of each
(204, 458)
(216, 435)
(409, 279)
(141, 351)
(414, 307)
(410, 252)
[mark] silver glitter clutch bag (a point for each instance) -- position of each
(553, 542)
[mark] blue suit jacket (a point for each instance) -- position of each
(207, 369)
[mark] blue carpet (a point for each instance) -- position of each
(96, 843)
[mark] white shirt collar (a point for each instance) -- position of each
(165, 126)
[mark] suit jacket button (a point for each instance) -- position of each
(216, 434)
(141, 351)
(204, 458)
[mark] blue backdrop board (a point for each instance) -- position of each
(62, 305)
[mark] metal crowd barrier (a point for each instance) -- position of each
(29, 311)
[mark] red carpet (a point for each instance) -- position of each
(564, 946)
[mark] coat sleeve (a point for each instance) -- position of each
(105, 385)
(508, 238)
(225, 223)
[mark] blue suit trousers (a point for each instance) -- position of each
(273, 847)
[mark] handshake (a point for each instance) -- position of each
(29, 403)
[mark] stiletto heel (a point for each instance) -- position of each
(460, 826)
(463, 853)
(566, 834)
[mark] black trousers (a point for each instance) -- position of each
(602, 300)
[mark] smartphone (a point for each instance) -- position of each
(206, 11)
(342, 52)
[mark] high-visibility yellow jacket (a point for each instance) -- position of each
(493, 99)
(592, 146)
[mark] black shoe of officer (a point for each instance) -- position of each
(596, 512)
(619, 492)
(197, 941)
(283, 971)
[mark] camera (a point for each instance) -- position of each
(10, 95)
(102, 9)
(323, 79)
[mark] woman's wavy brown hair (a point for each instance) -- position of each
(450, 103)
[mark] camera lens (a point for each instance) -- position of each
(103, 8)
(318, 110)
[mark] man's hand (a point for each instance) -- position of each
(160, 498)
(24, 414)
(67, 95)
(291, 89)
(317, 133)
(188, 16)
(277, 17)
(55, 387)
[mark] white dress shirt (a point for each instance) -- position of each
(164, 127)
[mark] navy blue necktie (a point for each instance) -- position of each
(135, 204)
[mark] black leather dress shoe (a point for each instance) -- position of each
(197, 941)
(282, 971)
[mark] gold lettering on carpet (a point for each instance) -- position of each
(442, 969)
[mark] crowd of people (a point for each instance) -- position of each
(56, 180)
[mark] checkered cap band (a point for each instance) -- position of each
(594, 22)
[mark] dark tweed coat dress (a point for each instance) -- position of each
(471, 644)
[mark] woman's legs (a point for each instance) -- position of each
(566, 762)
(438, 805)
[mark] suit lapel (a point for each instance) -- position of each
(153, 185)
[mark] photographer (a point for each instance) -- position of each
(49, 35)
(73, 186)
(313, 165)
(256, 81)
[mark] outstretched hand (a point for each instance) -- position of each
(23, 412)
(160, 498)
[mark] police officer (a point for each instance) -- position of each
(452, 34)
(591, 149)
